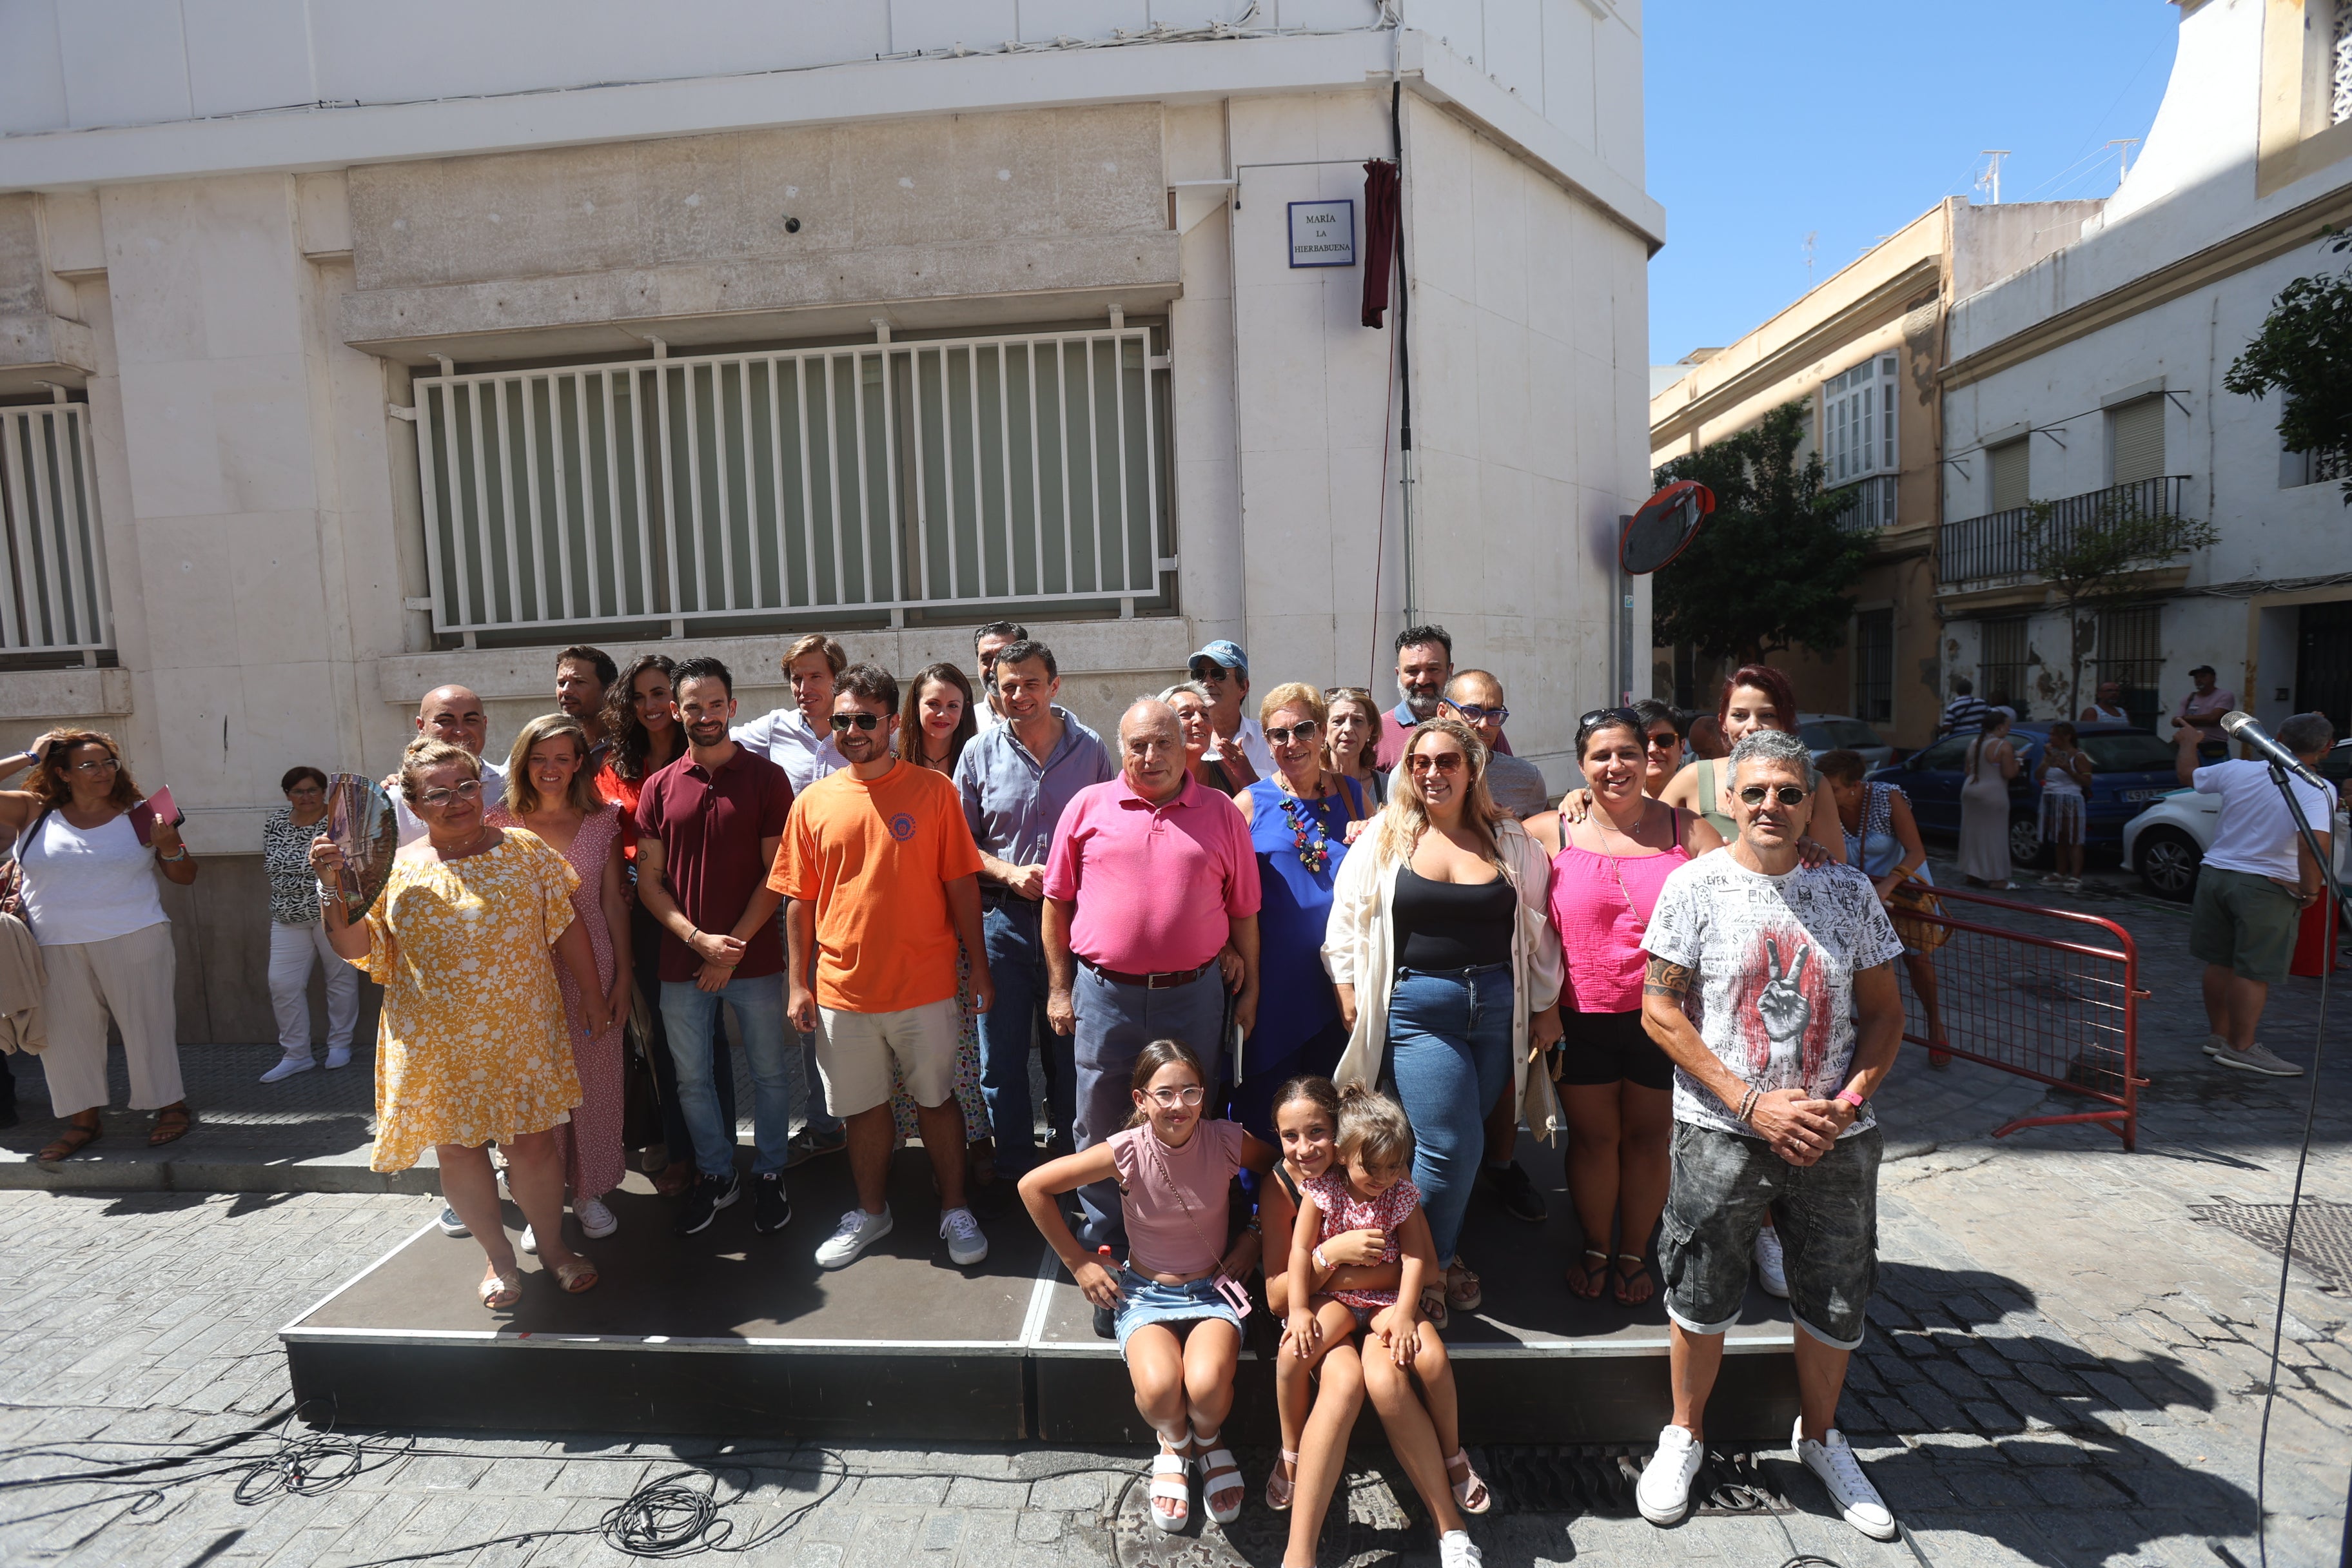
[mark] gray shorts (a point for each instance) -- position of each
(2245, 924)
(1827, 1214)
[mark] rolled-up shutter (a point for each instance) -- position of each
(2009, 465)
(2136, 437)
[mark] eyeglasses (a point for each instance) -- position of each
(842, 721)
(1304, 730)
(104, 765)
(1168, 1099)
(1478, 715)
(1443, 762)
(1787, 795)
(436, 798)
(1599, 716)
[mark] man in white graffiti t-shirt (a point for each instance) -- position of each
(1772, 988)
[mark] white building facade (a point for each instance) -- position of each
(2092, 380)
(346, 352)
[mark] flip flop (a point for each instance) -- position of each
(1598, 1279)
(1623, 1280)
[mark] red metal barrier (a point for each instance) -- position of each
(2058, 1005)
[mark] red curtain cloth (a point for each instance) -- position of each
(1379, 238)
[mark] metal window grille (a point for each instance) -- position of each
(56, 595)
(2339, 61)
(2131, 650)
(2001, 663)
(1874, 666)
(727, 489)
(1869, 505)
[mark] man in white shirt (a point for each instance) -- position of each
(1236, 740)
(798, 737)
(987, 642)
(451, 713)
(2257, 880)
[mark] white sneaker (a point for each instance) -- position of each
(1663, 1493)
(2258, 1058)
(857, 1231)
(1456, 1550)
(287, 1066)
(596, 1221)
(338, 1056)
(966, 1244)
(531, 1241)
(1841, 1472)
(1772, 1265)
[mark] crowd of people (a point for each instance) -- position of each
(1340, 953)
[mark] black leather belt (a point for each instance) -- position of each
(1167, 980)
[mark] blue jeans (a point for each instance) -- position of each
(1016, 964)
(1115, 1023)
(1449, 1060)
(645, 959)
(691, 1017)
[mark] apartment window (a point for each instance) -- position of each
(2007, 466)
(2135, 441)
(2339, 60)
(53, 594)
(2299, 468)
(1874, 666)
(2001, 663)
(2131, 653)
(726, 491)
(1858, 420)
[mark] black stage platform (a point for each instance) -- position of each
(732, 1332)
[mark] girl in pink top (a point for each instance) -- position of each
(1406, 1370)
(1615, 1084)
(1178, 1327)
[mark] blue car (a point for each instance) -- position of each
(2129, 768)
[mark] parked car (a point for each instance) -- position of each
(2166, 843)
(2129, 767)
(1836, 731)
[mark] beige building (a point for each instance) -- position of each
(1863, 351)
(696, 330)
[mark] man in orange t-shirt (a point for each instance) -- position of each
(884, 881)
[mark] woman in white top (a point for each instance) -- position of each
(88, 849)
(1991, 763)
(296, 937)
(2064, 774)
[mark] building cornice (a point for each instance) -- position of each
(2249, 247)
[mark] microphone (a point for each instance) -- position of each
(2247, 730)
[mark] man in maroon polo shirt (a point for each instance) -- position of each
(708, 828)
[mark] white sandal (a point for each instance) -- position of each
(1170, 1482)
(1220, 1473)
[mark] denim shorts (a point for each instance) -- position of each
(1149, 1302)
(1723, 1186)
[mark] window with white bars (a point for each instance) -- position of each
(1858, 420)
(2339, 65)
(723, 491)
(54, 596)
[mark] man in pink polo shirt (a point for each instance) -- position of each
(1150, 878)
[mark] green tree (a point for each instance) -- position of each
(1771, 569)
(2304, 352)
(2092, 562)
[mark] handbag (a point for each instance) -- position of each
(1907, 904)
(1236, 1295)
(12, 875)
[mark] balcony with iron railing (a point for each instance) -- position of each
(2009, 543)
(1869, 506)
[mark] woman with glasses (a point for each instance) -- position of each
(89, 848)
(1661, 744)
(1615, 1084)
(474, 1047)
(1351, 741)
(296, 937)
(1298, 827)
(1192, 701)
(1448, 972)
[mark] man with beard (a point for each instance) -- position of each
(582, 675)
(708, 828)
(1424, 664)
(884, 881)
(987, 643)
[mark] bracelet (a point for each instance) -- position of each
(1748, 1104)
(174, 859)
(1859, 1104)
(1321, 1261)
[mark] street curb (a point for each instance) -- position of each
(21, 1174)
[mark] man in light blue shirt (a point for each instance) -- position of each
(1015, 780)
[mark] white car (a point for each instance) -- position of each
(2166, 843)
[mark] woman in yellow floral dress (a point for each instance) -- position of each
(474, 1047)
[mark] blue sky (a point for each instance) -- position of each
(1847, 120)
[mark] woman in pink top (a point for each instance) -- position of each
(1177, 1329)
(1616, 1086)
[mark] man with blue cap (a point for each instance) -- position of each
(1236, 740)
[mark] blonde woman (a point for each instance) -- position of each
(466, 940)
(551, 790)
(1448, 971)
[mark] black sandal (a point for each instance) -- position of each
(1641, 1271)
(1598, 1279)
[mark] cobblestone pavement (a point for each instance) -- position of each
(2066, 1366)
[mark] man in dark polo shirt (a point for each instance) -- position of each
(708, 828)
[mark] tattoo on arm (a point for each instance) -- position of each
(1665, 979)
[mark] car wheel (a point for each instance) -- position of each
(2169, 862)
(2025, 846)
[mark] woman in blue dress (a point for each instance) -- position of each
(1300, 822)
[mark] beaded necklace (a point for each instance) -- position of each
(1306, 833)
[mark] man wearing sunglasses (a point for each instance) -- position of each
(1772, 988)
(884, 882)
(1475, 697)
(1236, 742)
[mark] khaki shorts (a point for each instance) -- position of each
(855, 1051)
(2244, 922)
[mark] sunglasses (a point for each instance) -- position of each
(104, 765)
(1306, 729)
(1599, 716)
(1168, 1099)
(1665, 742)
(1443, 762)
(1787, 795)
(842, 721)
